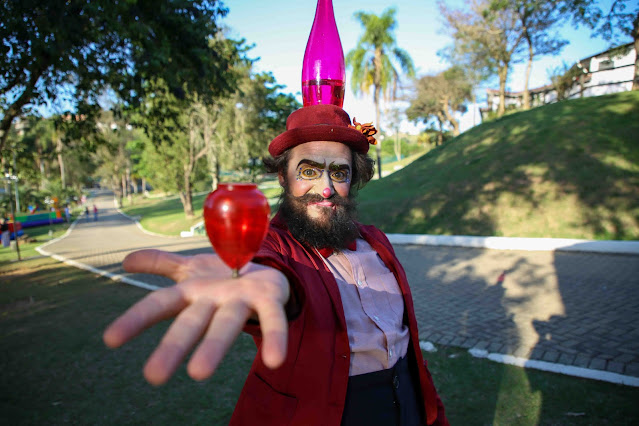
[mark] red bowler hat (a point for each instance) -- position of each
(322, 123)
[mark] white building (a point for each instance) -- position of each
(607, 72)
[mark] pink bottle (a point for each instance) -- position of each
(323, 71)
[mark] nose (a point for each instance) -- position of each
(327, 183)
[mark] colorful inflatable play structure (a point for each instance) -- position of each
(40, 219)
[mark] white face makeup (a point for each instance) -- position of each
(323, 168)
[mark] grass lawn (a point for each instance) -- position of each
(565, 170)
(56, 369)
(37, 236)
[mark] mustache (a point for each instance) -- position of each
(316, 198)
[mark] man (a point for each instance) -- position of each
(325, 299)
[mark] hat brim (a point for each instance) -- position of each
(319, 132)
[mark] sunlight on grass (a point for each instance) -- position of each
(565, 170)
(517, 403)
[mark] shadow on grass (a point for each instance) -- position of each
(56, 369)
(515, 172)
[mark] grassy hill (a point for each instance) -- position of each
(566, 170)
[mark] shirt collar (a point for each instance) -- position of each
(327, 251)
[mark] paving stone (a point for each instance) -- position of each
(482, 344)
(468, 343)
(551, 356)
(457, 341)
(632, 369)
(582, 360)
(496, 348)
(445, 340)
(537, 353)
(615, 367)
(597, 364)
(625, 358)
(566, 359)
(522, 352)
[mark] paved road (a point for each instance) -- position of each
(579, 309)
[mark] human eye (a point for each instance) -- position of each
(308, 172)
(340, 176)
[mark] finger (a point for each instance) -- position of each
(226, 325)
(274, 328)
(155, 307)
(183, 334)
(154, 262)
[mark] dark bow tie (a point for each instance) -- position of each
(327, 251)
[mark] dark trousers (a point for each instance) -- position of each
(383, 398)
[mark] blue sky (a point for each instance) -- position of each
(279, 29)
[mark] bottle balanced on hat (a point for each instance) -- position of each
(323, 70)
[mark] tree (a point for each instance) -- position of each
(395, 119)
(113, 157)
(372, 62)
(491, 38)
(537, 18)
(59, 47)
(440, 96)
(612, 25)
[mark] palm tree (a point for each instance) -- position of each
(372, 62)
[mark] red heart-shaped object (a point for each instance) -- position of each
(236, 217)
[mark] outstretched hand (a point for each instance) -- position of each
(209, 307)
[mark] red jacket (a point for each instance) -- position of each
(310, 387)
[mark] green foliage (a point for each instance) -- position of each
(79, 47)
(565, 170)
(563, 79)
(372, 59)
(620, 21)
(440, 96)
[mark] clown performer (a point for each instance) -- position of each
(325, 298)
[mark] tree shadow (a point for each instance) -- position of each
(511, 173)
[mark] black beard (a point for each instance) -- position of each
(335, 230)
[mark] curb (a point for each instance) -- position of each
(567, 370)
(514, 243)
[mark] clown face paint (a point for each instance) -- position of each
(319, 168)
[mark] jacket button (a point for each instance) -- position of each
(396, 381)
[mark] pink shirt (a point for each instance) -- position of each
(373, 307)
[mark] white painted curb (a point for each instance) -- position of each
(525, 244)
(568, 370)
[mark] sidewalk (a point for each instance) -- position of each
(573, 309)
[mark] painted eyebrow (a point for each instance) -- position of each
(332, 166)
(311, 163)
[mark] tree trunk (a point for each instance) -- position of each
(186, 197)
(117, 190)
(377, 123)
(58, 150)
(635, 36)
(125, 192)
(144, 191)
(40, 164)
(528, 71)
(128, 184)
(450, 117)
(503, 75)
(398, 146)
